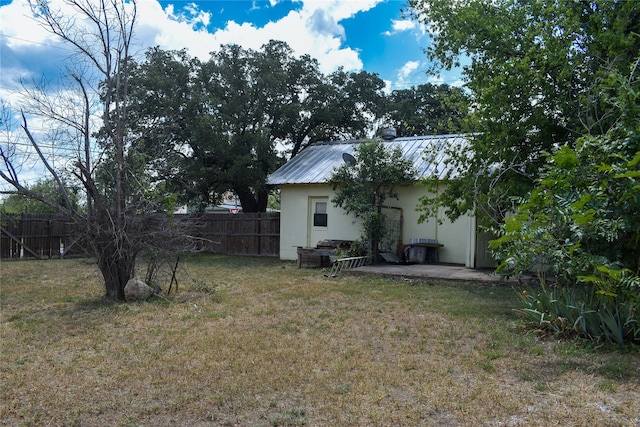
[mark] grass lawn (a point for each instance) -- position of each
(258, 342)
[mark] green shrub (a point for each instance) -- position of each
(357, 248)
(603, 308)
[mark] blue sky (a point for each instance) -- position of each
(370, 35)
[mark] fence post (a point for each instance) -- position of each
(259, 233)
(50, 237)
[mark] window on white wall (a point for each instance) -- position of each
(320, 214)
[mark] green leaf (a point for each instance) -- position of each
(635, 161)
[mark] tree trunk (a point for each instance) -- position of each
(251, 202)
(375, 250)
(376, 231)
(116, 261)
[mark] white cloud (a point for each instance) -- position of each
(407, 25)
(436, 80)
(414, 73)
(20, 28)
(314, 29)
(398, 26)
(408, 69)
(388, 86)
(194, 16)
(323, 23)
(406, 74)
(171, 30)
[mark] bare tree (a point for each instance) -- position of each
(119, 207)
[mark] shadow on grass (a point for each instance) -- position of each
(92, 304)
(232, 261)
(101, 303)
(468, 299)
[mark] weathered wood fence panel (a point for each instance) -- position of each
(256, 234)
(54, 236)
(37, 236)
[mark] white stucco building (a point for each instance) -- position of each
(308, 216)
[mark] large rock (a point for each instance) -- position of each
(137, 290)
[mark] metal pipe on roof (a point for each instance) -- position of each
(388, 134)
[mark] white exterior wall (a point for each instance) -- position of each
(295, 227)
(458, 238)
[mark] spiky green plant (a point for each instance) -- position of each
(604, 308)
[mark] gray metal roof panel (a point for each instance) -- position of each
(316, 163)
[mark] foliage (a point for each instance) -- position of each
(584, 209)
(357, 248)
(537, 71)
(363, 188)
(538, 92)
(427, 109)
(581, 224)
(18, 203)
(274, 200)
(582, 214)
(606, 308)
(223, 124)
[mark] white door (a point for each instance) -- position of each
(484, 259)
(318, 220)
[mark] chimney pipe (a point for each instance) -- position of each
(388, 134)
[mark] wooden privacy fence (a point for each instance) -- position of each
(37, 236)
(256, 234)
(53, 236)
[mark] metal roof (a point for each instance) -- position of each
(316, 163)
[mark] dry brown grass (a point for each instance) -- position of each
(257, 342)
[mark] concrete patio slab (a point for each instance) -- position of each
(432, 271)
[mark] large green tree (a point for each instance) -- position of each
(535, 70)
(226, 123)
(580, 225)
(584, 211)
(427, 109)
(555, 94)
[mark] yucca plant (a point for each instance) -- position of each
(617, 292)
(548, 309)
(604, 308)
